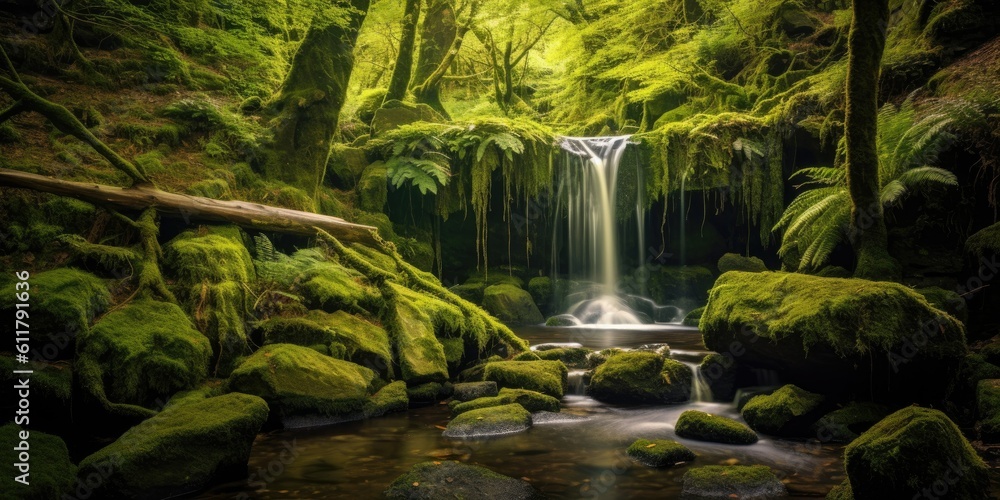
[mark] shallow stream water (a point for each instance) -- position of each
(577, 453)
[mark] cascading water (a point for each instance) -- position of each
(594, 196)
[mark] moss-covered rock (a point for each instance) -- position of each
(527, 356)
(63, 303)
(912, 450)
(51, 390)
(180, 450)
(833, 335)
(433, 480)
(213, 254)
(52, 474)
(732, 481)
(737, 262)
(546, 377)
(395, 114)
(948, 301)
(540, 288)
(841, 492)
(430, 392)
(789, 411)
(420, 355)
(511, 305)
(473, 390)
(844, 425)
(702, 426)
(641, 378)
(573, 357)
(659, 452)
(300, 382)
(529, 400)
(332, 287)
(344, 167)
(489, 421)
(473, 292)
(344, 335)
(597, 358)
(394, 397)
(670, 284)
(373, 188)
(988, 410)
(694, 317)
(720, 371)
(562, 320)
(142, 352)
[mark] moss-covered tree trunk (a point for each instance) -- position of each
(437, 34)
(866, 43)
(403, 68)
(307, 108)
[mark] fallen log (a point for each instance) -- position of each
(194, 208)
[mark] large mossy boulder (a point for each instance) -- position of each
(434, 480)
(468, 391)
(546, 377)
(180, 450)
(844, 425)
(641, 378)
(701, 426)
(540, 288)
(832, 335)
(788, 411)
(141, 353)
(572, 357)
(63, 303)
(340, 334)
(421, 355)
(737, 262)
(912, 451)
(333, 287)
(394, 114)
(659, 452)
(511, 305)
(750, 482)
(345, 166)
(300, 383)
(490, 421)
(51, 474)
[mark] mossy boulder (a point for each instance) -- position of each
(473, 390)
(473, 292)
(832, 335)
(341, 334)
(641, 378)
(180, 450)
(788, 411)
(529, 400)
(420, 355)
(215, 254)
(300, 382)
(844, 425)
(671, 284)
(988, 410)
(511, 305)
(572, 357)
(52, 474)
(63, 302)
(546, 377)
(540, 288)
(659, 452)
(433, 480)
(948, 301)
(562, 320)
(702, 426)
(332, 287)
(720, 371)
(145, 351)
(51, 390)
(430, 392)
(395, 114)
(694, 317)
(732, 481)
(489, 421)
(911, 451)
(345, 166)
(373, 187)
(737, 262)
(394, 397)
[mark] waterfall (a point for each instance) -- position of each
(701, 392)
(588, 201)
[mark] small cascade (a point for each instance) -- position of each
(576, 382)
(701, 391)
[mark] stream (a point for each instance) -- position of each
(577, 453)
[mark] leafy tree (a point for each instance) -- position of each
(403, 69)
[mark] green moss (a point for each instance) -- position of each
(473, 292)
(373, 188)
(63, 301)
(393, 397)
(182, 449)
(217, 255)
(298, 381)
(841, 492)
(51, 383)
(527, 356)
(361, 341)
(141, 352)
(511, 305)
(670, 284)
(546, 377)
(737, 262)
(694, 317)
(425, 393)
(573, 357)
(641, 378)
(908, 451)
(988, 410)
(219, 311)
(490, 421)
(946, 300)
(659, 452)
(782, 412)
(540, 288)
(530, 400)
(451, 479)
(332, 287)
(843, 425)
(52, 474)
(702, 426)
(421, 356)
(728, 481)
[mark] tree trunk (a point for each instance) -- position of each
(307, 108)
(437, 34)
(404, 60)
(245, 214)
(866, 43)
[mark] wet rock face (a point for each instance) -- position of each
(432, 480)
(641, 378)
(733, 481)
(834, 335)
(913, 451)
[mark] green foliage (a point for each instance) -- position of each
(702, 426)
(659, 453)
(909, 142)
